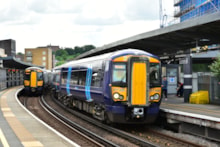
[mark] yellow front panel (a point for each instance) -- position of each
(33, 79)
(156, 90)
(139, 84)
(153, 60)
(122, 58)
(121, 91)
(40, 83)
(26, 83)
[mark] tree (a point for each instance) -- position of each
(215, 67)
(70, 51)
(68, 54)
(61, 54)
(19, 53)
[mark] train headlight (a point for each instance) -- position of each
(156, 96)
(152, 98)
(116, 96)
(121, 97)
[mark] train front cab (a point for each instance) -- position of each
(33, 81)
(135, 90)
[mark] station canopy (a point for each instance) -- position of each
(11, 62)
(171, 40)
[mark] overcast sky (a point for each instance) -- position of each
(70, 23)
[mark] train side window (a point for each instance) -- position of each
(82, 77)
(96, 78)
(154, 74)
(40, 76)
(74, 78)
(57, 78)
(64, 78)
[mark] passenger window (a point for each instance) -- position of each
(64, 77)
(82, 78)
(96, 79)
(74, 78)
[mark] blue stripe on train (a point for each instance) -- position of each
(68, 80)
(88, 84)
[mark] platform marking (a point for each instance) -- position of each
(46, 125)
(32, 144)
(21, 132)
(3, 139)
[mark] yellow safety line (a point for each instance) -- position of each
(21, 132)
(3, 139)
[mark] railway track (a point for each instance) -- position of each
(135, 139)
(74, 126)
(34, 105)
(142, 140)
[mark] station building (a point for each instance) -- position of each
(9, 45)
(201, 56)
(188, 9)
(41, 56)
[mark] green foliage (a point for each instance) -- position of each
(61, 52)
(60, 63)
(19, 53)
(70, 51)
(68, 54)
(215, 67)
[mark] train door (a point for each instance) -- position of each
(172, 78)
(33, 79)
(138, 80)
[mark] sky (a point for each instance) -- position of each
(70, 23)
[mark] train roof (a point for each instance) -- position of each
(107, 56)
(37, 68)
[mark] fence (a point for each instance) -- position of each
(211, 84)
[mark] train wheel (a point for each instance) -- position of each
(106, 119)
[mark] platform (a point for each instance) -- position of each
(20, 128)
(202, 119)
(178, 104)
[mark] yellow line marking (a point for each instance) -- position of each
(6, 109)
(9, 114)
(19, 129)
(3, 139)
(32, 144)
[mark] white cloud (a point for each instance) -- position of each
(70, 23)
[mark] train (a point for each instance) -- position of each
(35, 80)
(123, 86)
